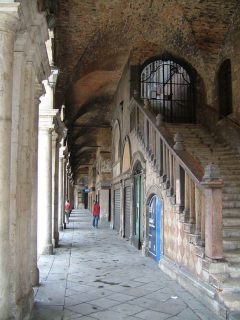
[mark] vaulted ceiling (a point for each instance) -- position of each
(94, 40)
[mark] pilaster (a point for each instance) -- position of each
(8, 25)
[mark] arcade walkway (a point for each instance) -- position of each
(97, 275)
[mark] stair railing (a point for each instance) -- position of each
(183, 179)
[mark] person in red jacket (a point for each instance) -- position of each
(95, 213)
(67, 210)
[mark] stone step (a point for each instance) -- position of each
(230, 299)
(231, 231)
(223, 282)
(231, 284)
(231, 204)
(234, 171)
(230, 184)
(234, 270)
(231, 212)
(232, 256)
(227, 190)
(231, 221)
(231, 196)
(231, 243)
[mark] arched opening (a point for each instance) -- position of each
(154, 228)
(225, 88)
(138, 207)
(169, 88)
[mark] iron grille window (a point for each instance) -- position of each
(169, 89)
(225, 88)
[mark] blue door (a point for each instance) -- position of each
(155, 228)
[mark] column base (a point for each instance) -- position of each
(55, 239)
(35, 277)
(64, 225)
(48, 249)
(60, 228)
(22, 309)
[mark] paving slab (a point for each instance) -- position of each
(95, 274)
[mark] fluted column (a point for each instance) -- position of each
(8, 23)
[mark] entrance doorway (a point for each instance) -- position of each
(154, 236)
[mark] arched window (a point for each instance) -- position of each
(169, 88)
(225, 88)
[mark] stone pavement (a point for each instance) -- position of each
(95, 274)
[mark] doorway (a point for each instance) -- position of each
(154, 232)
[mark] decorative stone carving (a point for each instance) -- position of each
(106, 166)
(146, 104)
(211, 172)
(178, 139)
(159, 120)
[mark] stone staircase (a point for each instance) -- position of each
(224, 275)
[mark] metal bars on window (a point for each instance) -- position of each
(169, 89)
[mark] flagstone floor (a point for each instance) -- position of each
(95, 274)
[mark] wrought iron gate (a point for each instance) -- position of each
(169, 90)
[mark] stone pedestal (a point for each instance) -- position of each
(213, 212)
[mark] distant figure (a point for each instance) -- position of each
(96, 214)
(67, 210)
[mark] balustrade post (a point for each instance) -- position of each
(192, 203)
(186, 198)
(198, 211)
(213, 209)
(179, 185)
(203, 218)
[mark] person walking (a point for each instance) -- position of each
(95, 213)
(67, 210)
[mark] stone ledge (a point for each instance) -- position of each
(198, 288)
(234, 316)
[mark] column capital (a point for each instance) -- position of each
(46, 118)
(9, 17)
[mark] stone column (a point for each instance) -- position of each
(45, 190)
(213, 212)
(8, 24)
(64, 190)
(131, 209)
(55, 175)
(121, 231)
(104, 203)
(75, 196)
(35, 270)
(60, 194)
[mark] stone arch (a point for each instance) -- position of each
(137, 159)
(126, 155)
(116, 142)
